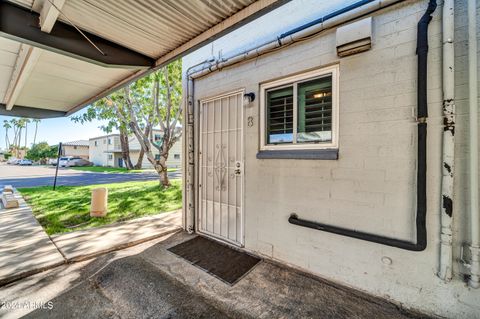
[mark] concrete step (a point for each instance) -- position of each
(9, 201)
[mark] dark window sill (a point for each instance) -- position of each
(324, 154)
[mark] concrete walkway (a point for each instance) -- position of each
(24, 246)
(148, 281)
(81, 245)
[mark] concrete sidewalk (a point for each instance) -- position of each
(81, 245)
(148, 281)
(25, 248)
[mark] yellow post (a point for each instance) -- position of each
(99, 203)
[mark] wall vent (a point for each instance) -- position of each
(354, 38)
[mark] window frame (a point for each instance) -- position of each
(294, 80)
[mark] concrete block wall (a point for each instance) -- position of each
(371, 187)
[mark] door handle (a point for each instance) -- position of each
(238, 168)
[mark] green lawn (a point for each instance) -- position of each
(101, 169)
(68, 208)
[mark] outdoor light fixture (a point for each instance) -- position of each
(248, 98)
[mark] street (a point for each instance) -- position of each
(33, 176)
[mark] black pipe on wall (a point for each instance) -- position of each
(422, 113)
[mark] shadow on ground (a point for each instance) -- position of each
(155, 283)
(129, 288)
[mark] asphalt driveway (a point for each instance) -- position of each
(33, 176)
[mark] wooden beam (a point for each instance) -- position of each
(26, 61)
(30, 112)
(28, 55)
(23, 25)
(48, 13)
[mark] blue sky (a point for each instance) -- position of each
(56, 130)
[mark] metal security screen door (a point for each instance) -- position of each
(220, 152)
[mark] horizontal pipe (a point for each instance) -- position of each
(422, 112)
(421, 236)
(302, 33)
(326, 17)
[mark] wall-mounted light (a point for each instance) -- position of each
(248, 98)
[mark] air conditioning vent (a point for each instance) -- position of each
(354, 38)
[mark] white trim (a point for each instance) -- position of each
(334, 71)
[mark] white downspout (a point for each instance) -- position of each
(473, 116)
(448, 160)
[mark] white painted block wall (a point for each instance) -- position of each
(371, 187)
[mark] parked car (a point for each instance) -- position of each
(70, 161)
(77, 161)
(13, 161)
(25, 162)
(52, 161)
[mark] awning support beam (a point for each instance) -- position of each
(22, 25)
(30, 112)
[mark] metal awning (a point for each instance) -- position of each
(49, 68)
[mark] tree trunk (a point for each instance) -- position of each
(142, 152)
(125, 149)
(35, 136)
(161, 168)
(26, 134)
(139, 160)
(19, 141)
(7, 142)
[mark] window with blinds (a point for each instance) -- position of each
(280, 115)
(301, 112)
(315, 110)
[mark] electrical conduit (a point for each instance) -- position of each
(448, 152)
(474, 281)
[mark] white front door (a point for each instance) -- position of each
(220, 152)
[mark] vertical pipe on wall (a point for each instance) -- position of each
(189, 142)
(473, 116)
(189, 179)
(448, 160)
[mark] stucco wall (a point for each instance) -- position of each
(371, 187)
(78, 151)
(99, 154)
(171, 162)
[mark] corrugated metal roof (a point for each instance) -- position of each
(77, 143)
(160, 29)
(151, 27)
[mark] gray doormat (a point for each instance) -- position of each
(221, 261)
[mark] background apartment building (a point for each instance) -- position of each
(107, 151)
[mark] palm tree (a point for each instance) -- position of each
(7, 126)
(13, 145)
(26, 121)
(20, 125)
(36, 121)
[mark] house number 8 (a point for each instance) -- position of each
(250, 121)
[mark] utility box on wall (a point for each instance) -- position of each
(354, 38)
